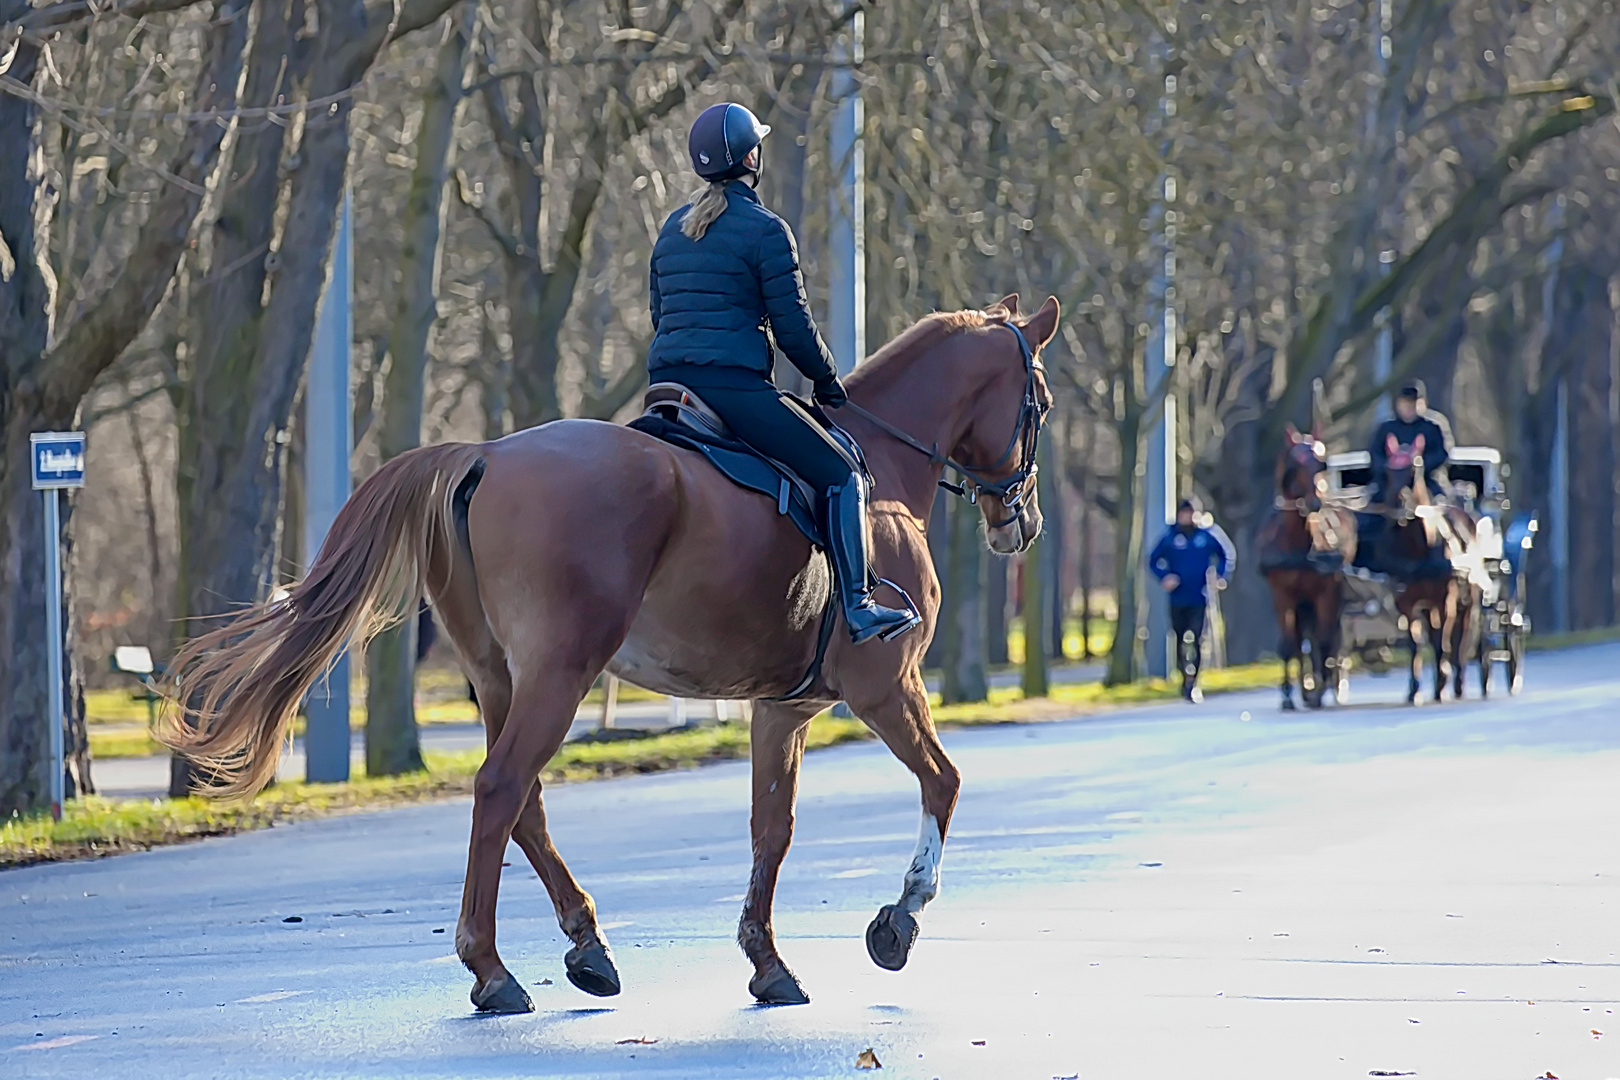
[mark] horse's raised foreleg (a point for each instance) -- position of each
(901, 718)
(776, 741)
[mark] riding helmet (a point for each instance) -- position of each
(1413, 389)
(1190, 503)
(721, 138)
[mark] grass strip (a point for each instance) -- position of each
(94, 826)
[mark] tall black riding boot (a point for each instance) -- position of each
(846, 535)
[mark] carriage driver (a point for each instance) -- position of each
(1412, 418)
(724, 268)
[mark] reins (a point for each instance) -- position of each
(1011, 490)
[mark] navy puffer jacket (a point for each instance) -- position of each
(713, 298)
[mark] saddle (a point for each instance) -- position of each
(676, 415)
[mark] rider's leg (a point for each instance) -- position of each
(759, 417)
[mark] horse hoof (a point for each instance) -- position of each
(590, 968)
(777, 987)
(503, 996)
(890, 937)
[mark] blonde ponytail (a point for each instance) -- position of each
(707, 204)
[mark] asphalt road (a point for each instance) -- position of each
(1165, 892)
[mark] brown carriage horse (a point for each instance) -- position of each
(579, 546)
(1304, 546)
(1439, 604)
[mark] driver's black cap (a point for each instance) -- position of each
(1413, 389)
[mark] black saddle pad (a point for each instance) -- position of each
(740, 464)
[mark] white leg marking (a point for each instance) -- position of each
(922, 880)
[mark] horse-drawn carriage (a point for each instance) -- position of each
(1483, 554)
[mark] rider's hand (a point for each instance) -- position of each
(831, 394)
(1170, 581)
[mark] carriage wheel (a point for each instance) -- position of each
(1515, 662)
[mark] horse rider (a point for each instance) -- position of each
(724, 281)
(1412, 418)
(1181, 561)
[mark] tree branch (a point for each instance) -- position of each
(508, 243)
(68, 12)
(96, 339)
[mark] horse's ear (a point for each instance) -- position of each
(1043, 324)
(1010, 302)
(1391, 443)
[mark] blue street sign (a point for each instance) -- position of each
(58, 459)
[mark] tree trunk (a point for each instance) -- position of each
(1037, 576)
(42, 383)
(962, 655)
(392, 743)
(1055, 534)
(1034, 597)
(939, 550)
(240, 403)
(995, 609)
(1588, 321)
(1127, 550)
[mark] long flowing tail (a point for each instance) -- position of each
(233, 692)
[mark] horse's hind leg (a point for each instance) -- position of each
(900, 716)
(545, 697)
(589, 963)
(776, 741)
(590, 966)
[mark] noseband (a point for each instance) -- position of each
(1012, 489)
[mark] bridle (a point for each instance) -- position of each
(1012, 489)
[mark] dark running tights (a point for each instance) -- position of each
(1185, 621)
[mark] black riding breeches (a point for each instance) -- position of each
(758, 417)
(1187, 623)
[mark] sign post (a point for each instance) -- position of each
(57, 463)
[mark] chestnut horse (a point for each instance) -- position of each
(1304, 547)
(1433, 599)
(579, 546)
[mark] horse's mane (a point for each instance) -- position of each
(926, 332)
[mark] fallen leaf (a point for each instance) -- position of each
(1389, 1072)
(1598, 1033)
(1548, 1075)
(293, 918)
(867, 1060)
(545, 982)
(978, 1042)
(643, 1041)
